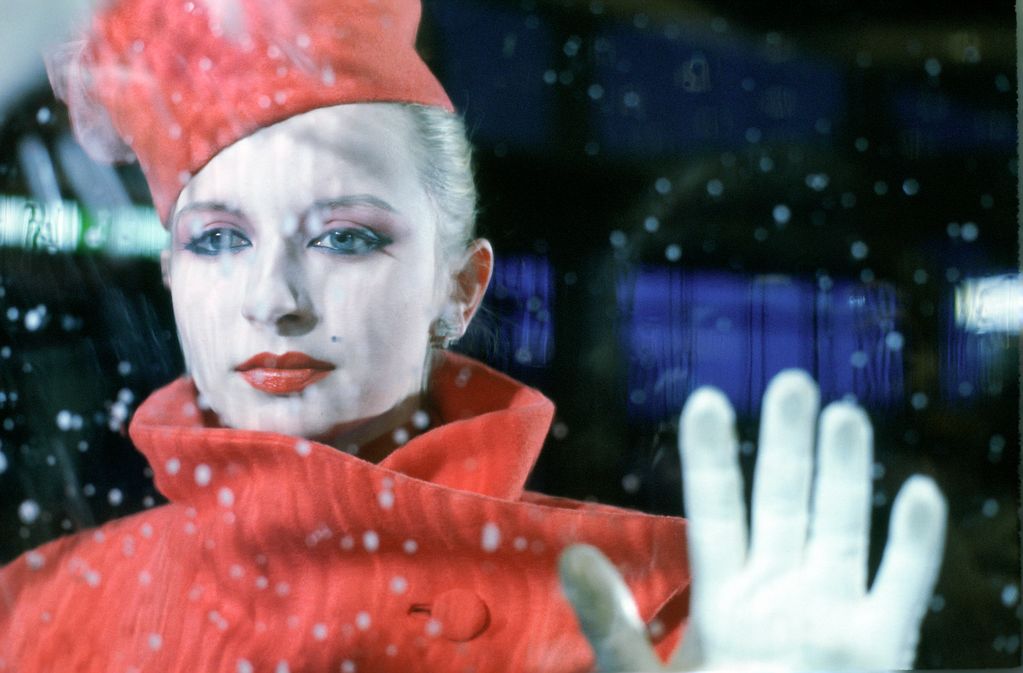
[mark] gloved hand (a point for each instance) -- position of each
(794, 598)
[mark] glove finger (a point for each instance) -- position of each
(909, 567)
(606, 611)
(712, 494)
(781, 486)
(840, 525)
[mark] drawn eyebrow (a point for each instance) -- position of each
(355, 200)
(209, 205)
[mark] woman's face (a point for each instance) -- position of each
(314, 240)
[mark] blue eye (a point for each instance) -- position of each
(350, 241)
(216, 241)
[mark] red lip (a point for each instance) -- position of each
(283, 374)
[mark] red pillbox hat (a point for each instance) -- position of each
(178, 81)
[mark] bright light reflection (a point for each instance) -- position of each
(991, 304)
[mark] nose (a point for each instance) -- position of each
(277, 296)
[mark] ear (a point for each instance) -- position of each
(165, 267)
(470, 283)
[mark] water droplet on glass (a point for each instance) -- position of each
(490, 538)
(115, 497)
(370, 540)
(618, 238)
(420, 420)
(28, 511)
(859, 250)
(715, 187)
(203, 474)
(969, 232)
(631, 483)
(673, 252)
(64, 420)
(818, 182)
(894, 341)
(398, 584)
(781, 214)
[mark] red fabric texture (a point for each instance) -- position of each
(279, 554)
(181, 80)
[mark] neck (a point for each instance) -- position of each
(374, 439)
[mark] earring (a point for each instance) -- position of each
(442, 333)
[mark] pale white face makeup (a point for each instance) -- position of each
(314, 236)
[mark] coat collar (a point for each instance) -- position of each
(491, 432)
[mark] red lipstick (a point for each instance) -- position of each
(283, 374)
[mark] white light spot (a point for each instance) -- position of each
(400, 436)
(969, 232)
(244, 666)
(203, 474)
(115, 497)
(225, 497)
(990, 508)
(173, 466)
(715, 187)
(631, 483)
(386, 499)
(28, 511)
(673, 252)
(420, 420)
(781, 213)
(433, 628)
(363, 621)
(155, 641)
(398, 584)
(651, 224)
(932, 67)
(919, 401)
(303, 447)
(894, 341)
(663, 185)
(282, 667)
(410, 546)
(490, 538)
(64, 420)
(347, 666)
(35, 560)
(520, 543)
(618, 238)
(1010, 595)
(859, 359)
(910, 187)
(320, 631)
(3, 462)
(370, 540)
(859, 250)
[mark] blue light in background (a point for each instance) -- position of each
(682, 329)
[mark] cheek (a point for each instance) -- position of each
(205, 300)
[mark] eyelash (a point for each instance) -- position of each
(207, 243)
(357, 241)
(366, 241)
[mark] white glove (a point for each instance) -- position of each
(795, 598)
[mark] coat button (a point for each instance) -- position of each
(462, 615)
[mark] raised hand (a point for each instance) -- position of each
(794, 597)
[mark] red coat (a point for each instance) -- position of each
(277, 554)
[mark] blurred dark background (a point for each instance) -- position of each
(680, 193)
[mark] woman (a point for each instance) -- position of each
(344, 494)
